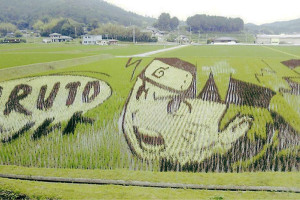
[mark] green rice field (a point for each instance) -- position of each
(260, 123)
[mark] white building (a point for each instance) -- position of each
(56, 37)
(91, 39)
(224, 40)
(182, 39)
(278, 39)
(47, 40)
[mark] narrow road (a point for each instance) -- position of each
(153, 52)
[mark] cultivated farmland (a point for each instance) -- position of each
(194, 109)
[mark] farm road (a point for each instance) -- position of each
(153, 52)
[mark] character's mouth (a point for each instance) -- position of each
(145, 139)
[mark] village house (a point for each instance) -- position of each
(91, 39)
(56, 37)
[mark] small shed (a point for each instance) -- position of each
(112, 42)
(47, 40)
(224, 40)
(182, 39)
(109, 42)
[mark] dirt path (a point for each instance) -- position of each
(153, 52)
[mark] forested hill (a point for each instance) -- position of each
(26, 12)
(292, 26)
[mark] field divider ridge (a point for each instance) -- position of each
(150, 184)
(277, 50)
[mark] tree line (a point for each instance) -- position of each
(122, 33)
(64, 26)
(206, 23)
(202, 23)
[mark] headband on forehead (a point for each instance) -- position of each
(180, 64)
(171, 74)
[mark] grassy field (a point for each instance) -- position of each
(12, 55)
(36, 190)
(67, 191)
(101, 146)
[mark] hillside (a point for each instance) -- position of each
(292, 26)
(25, 13)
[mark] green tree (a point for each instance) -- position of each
(163, 22)
(174, 22)
(166, 23)
(22, 24)
(67, 29)
(7, 28)
(18, 34)
(38, 25)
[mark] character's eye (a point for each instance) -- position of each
(160, 72)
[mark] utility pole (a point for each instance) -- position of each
(133, 35)
(190, 34)
(178, 35)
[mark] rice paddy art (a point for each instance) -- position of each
(41, 103)
(154, 115)
(164, 120)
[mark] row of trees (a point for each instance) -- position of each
(69, 27)
(123, 33)
(63, 26)
(206, 23)
(203, 23)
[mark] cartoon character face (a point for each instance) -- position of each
(163, 119)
